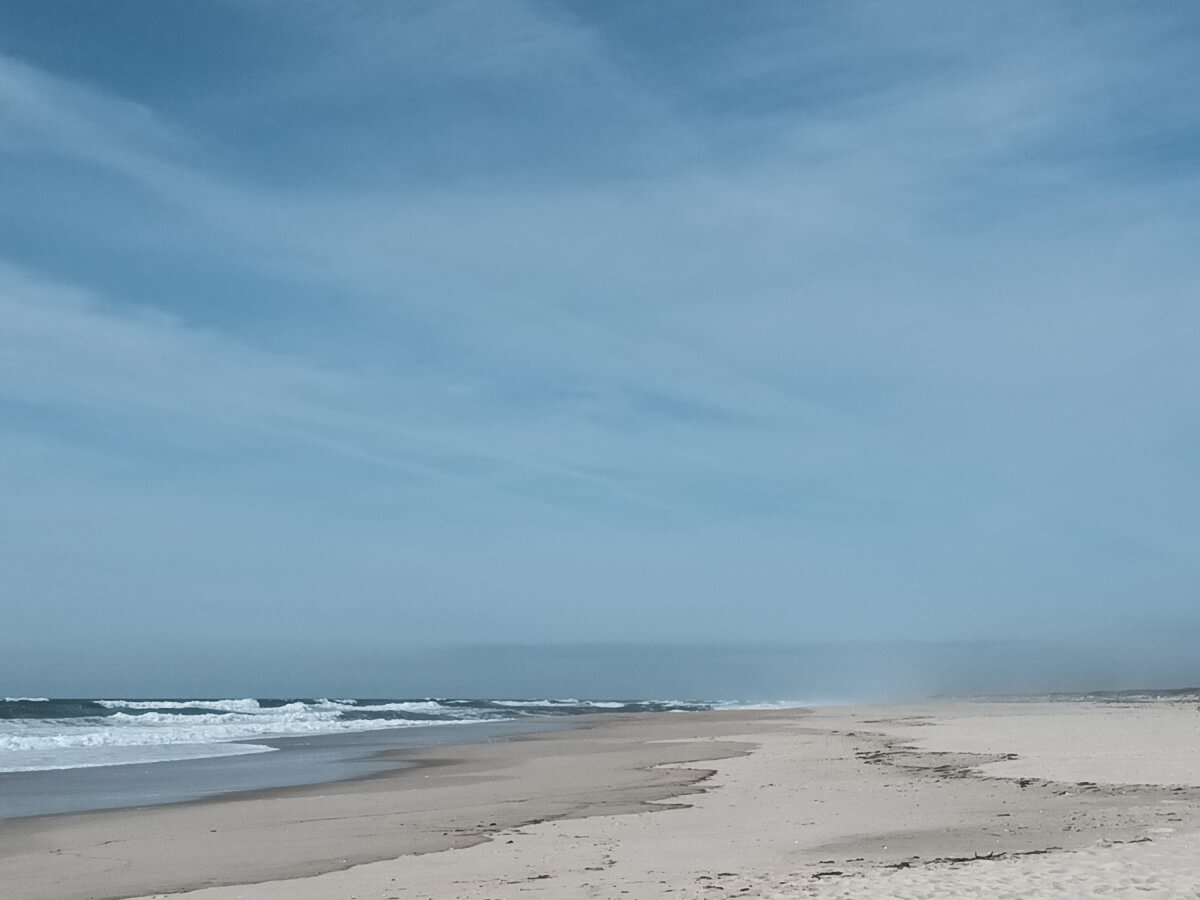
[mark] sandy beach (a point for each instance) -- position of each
(946, 799)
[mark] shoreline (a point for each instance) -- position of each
(435, 803)
(778, 803)
(294, 761)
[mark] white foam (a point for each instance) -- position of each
(536, 703)
(132, 737)
(135, 731)
(248, 705)
(87, 757)
(772, 704)
(124, 730)
(549, 704)
(412, 706)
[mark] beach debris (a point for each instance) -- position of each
(992, 856)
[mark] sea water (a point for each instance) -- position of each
(39, 733)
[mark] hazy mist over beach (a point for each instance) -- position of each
(822, 673)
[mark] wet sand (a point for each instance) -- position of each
(296, 761)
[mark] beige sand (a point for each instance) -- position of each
(854, 802)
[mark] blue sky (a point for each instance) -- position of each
(341, 327)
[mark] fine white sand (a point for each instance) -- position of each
(888, 802)
(1111, 742)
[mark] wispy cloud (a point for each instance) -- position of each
(838, 282)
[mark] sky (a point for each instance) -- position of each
(344, 331)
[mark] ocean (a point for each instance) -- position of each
(74, 755)
(38, 733)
